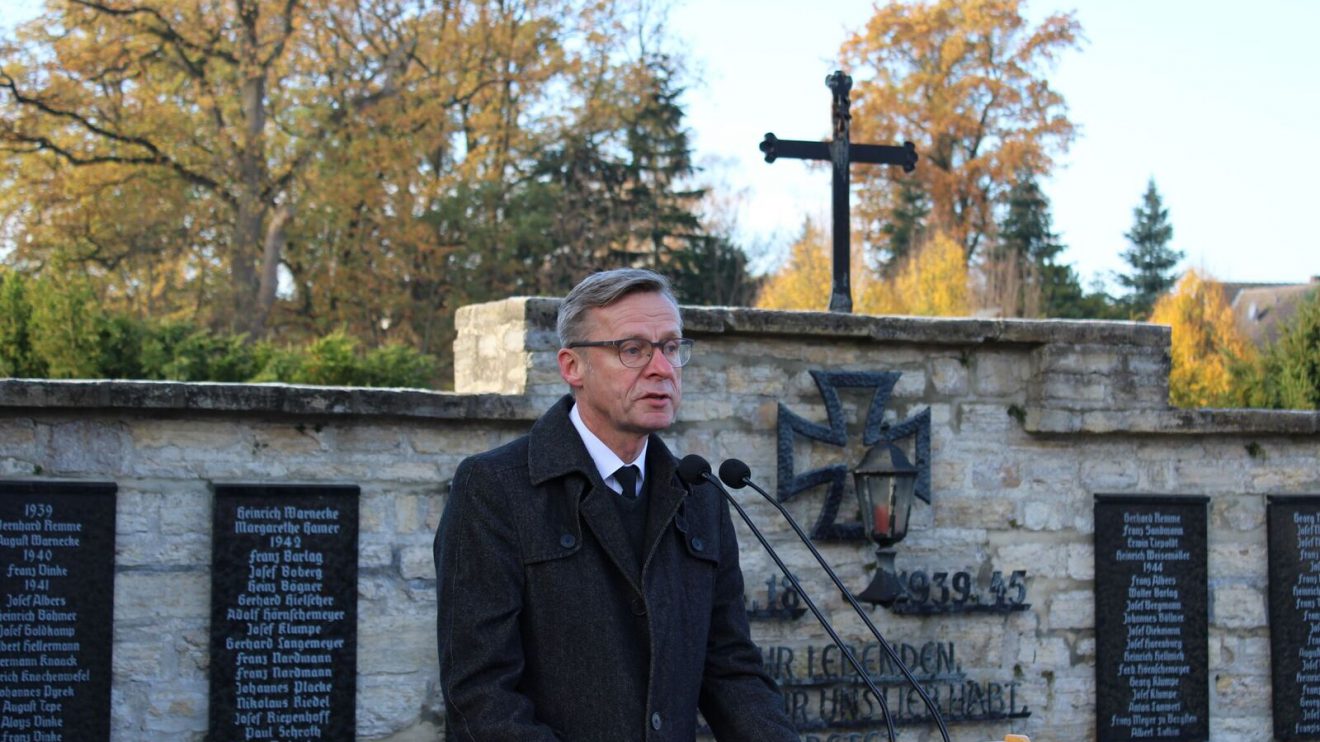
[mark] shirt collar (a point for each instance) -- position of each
(607, 462)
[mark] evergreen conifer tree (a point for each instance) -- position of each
(1151, 257)
(906, 228)
(1029, 247)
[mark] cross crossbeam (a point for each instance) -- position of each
(841, 152)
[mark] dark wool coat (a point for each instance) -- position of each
(550, 629)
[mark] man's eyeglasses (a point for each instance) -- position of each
(637, 352)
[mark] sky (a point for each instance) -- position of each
(1218, 101)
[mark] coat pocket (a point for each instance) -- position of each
(699, 531)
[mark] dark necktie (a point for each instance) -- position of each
(627, 478)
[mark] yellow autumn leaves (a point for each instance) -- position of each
(933, 281)
(1207, 346)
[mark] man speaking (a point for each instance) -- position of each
(584, 592)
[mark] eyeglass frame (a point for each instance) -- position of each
(683, 343)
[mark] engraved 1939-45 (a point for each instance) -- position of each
(56, 597)
(1151, 619)
(284, 613)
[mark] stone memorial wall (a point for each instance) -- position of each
(1026, 422)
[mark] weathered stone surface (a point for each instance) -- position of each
(1236, 606)
(1073, 609)
(1028, 421)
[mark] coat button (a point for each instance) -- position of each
(655, 721)
(567, 541)
(698, 544)
(638, 607)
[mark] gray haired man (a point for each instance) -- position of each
(585, 593)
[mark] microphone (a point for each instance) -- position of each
(737, 475)
(693, 470)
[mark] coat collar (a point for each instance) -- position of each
(556, 451)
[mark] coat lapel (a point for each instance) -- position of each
(665, 493)
(556, 450)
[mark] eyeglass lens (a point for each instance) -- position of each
(635, 353)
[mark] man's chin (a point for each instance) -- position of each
(652, 422)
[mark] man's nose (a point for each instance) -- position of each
(659, 365)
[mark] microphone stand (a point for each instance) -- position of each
(693, 469)
(737, 475)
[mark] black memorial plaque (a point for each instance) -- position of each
(1294, 544)
(1150, 618)
(284, 612)
(57, 573)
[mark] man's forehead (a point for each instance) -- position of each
(638, 309)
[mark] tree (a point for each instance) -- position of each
(967, 82)
(804, 281)
(932, 282)
(16, 357)
(1287, 374)
(905, 227)
(1151, 258)
(288, 169)
(1023, 275)
(1206, 344)
(260, 145)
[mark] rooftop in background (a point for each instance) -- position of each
(1261, 309)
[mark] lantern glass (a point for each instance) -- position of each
(885, 483)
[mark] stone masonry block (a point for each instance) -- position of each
(999, 374)
(990, 476)
(1238, 560)
(1081, 562)
(417, 563)
(986, 419)
(1253, 728)
(1110, 473)
(1237, 607)
(949, 376)
(18, 437)
(967, 511)
(1040, 558)
(1071, 610)
(201, 435)
(911, 385)
(154, 596)
(1241, 693)
(374, 554)
(84, 447)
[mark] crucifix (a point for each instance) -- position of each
(840, 151)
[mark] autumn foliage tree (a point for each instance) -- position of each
(967, 82)
(932, 281)
(803, 282)
(284, 169)
(1206, 345)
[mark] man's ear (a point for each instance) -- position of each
(572, 367)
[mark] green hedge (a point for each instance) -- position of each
(59, 331)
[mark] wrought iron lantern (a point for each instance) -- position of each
(885, 482)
